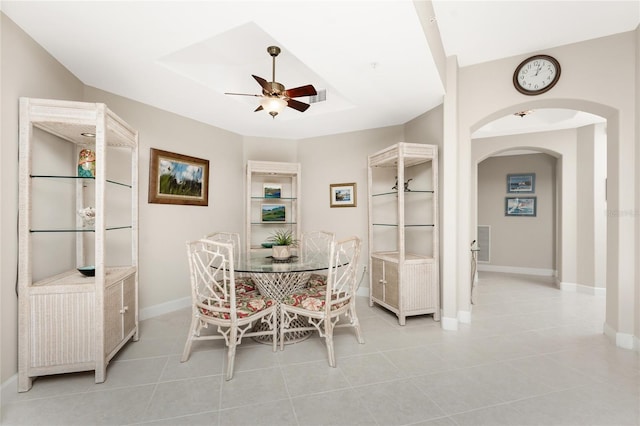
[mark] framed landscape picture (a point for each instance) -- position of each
(272, 190)
(522, 182)
(520, 206)
(273, 213)
(342, 195)
(178, 179)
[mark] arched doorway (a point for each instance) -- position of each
(571, 238)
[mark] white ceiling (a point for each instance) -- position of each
(370, 56)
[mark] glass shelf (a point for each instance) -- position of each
(275, 200)
(108, 228)
(406, 192)
(79, 178)
(273, 223)
(406, 226)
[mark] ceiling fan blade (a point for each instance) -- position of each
(297, 92)
(258, 109)
(297, 105)
(243, 94)
(262, 82)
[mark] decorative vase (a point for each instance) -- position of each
(281, 252)
(88, 215)
(87, 163)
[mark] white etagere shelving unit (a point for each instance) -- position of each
(69, 322)
(403, 230)
(286, 176)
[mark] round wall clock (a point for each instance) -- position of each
(536, 75)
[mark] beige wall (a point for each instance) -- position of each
(616, 100)
(165, 228)
(340, 159)
(27, 70)
(519, 243)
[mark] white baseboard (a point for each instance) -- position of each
(622, 340)
(580, 288)
(448, 323)
(164, 308)
(464, 317)
(516, 270)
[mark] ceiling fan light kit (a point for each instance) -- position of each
(274, 96)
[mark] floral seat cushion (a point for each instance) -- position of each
(317, 280)
(245, 306)
(245, 285)
(311, 299)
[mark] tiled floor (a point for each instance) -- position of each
(533, 355)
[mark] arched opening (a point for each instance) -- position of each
(569, 195)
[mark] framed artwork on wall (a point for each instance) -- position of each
(272, 190)
(178, 179)
(520, 206)
(342, 195)
(521, 182)
(273, 213)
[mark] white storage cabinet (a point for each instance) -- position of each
(69, 322)
(403, 230)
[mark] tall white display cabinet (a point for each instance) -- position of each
(67, 321)
(273, 200)
(403, 230)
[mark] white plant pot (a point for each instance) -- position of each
(281, 252)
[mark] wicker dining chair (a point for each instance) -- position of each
(244, 283)
(324, 307)
(313, 243)
(215, 301)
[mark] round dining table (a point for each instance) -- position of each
(278, 279)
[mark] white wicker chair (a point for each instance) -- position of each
(244, 283)
(324, 306)
(214, 300)
(312, 243)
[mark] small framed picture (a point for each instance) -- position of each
(521, 182)
(272, 190)
(343, 195)
(273, 213)
(520, 206)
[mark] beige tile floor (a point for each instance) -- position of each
(533, 355)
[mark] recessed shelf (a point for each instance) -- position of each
(108, 228)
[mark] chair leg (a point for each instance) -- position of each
(231, 353)
(187, 346)
(276, 330)
(282, 328)
(356, 325)
(328, 339)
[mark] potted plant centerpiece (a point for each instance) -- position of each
(282, 240)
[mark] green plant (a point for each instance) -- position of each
(283, 237)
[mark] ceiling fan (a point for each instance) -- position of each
(274, 95)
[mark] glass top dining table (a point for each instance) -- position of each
(259, 262)
(278, 279)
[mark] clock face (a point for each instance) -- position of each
(536, 75)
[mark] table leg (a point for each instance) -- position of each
(279, 285)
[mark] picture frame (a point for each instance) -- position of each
(272, 190)
(343, 194)
(270, 213)
(178, 179)
(521, 182)
(520, 206)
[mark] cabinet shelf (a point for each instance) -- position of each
(68, 322)
(108, 228)
(262, 175)
(405, 225)
(406, 192)
(78, 178)
(274, 200)
(403, 236)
